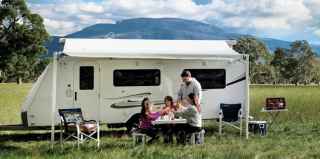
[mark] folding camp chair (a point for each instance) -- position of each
(74, 126)
(231, 115)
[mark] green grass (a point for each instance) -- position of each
(303, 101)
(296, 135)
(11, 97)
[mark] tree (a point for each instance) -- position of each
(2, 76)
(279, 56)
(252, 46)
(315, 72)
(302, 51)
(258, 55)
(278, 64)
(289, 70)
(22, 37)
(263, 74)
(40, 66)
(296, 64)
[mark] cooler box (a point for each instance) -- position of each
(258, 127)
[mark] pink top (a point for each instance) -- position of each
(145, 123)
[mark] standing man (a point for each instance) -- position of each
(190, 85)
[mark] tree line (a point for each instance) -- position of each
(295, 65)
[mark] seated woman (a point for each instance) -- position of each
(147, 116)
(193, 117)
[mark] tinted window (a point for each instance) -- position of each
(210, 78)
(137, 77)
(86, 77)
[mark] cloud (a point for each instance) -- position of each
(65, 17)
(91, 19)
(314, 6)
(289, 20)
(155, 9)
(317, 32)
(91, 8)
(275, 18)
(261, 15)
(58, 26)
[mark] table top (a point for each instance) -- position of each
(174, 121)
(273, 110)
(257, 122)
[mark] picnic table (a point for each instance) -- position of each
(169, 122)
(166, 126)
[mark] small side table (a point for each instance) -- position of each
(273, 113)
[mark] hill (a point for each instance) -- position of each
(162, 28)
(148, 28)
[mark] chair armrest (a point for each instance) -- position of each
(75, 123)
(240, 113)
(221, 113)
(90, 121)
(61, 120)
(98, 125)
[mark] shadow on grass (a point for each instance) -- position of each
(210, 130)
(8, 150)
(41, 136)
(4, 147)
(14, 148)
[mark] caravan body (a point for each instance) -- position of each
(108, 78)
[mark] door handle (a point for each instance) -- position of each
(75, 96)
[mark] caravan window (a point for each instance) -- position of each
(136, 77)
(210, 78)
(86, 78)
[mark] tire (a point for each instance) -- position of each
(133, 122)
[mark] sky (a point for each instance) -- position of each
(281, 19)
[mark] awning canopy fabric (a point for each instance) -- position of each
(158, 49)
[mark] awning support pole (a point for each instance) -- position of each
(53, 95)
(247, 95)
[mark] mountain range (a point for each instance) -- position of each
(163, 28)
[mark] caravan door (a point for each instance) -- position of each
(87, 89)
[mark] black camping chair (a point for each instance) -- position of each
(73, 124)
(231, 115)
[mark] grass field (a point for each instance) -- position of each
(297, 134)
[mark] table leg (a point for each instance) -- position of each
(274, 116)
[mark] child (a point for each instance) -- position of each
(145, 125)
(168, 109)
(193, 117)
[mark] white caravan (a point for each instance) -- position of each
(108, 78)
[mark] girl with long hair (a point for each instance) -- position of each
(146, 118)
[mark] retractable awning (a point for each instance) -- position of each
(138, 48)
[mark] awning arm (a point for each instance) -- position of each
(54, 97)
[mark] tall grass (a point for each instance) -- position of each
(11, 97)
(295, 136)
(303, 101)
